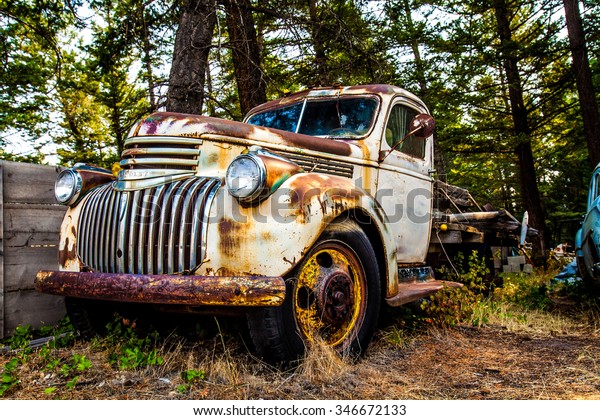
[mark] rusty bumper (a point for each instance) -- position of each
(248, 291)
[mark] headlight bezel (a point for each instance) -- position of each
(243, 194)
(75, 187)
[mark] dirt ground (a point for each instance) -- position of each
(498, 360)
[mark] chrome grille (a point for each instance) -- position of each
(178, 153)
(157, 230)
(319, 165)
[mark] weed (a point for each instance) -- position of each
(62, 333)
(68, 370)
(129, 350)
(20, 338)
(9, 376)
(397, 336)
(190, 377)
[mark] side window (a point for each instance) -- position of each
(396, 129)
(594, 188)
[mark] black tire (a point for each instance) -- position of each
(334, 295)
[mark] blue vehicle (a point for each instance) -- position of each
(587, 239)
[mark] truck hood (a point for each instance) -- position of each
(197, 126)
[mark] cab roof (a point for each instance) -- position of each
(332, 91)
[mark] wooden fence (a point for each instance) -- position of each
(29, 226)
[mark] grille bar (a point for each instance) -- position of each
(320, 165)
(159, 230)
(153, 161)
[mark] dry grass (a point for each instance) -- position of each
(517, 353)
(322, 365)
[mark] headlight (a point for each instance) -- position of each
(67, 187)
(246, 177)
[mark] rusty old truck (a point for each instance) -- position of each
(306, 219)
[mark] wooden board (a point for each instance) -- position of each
(22, 265)
(28, 307)
(32, 224)
(29, 183)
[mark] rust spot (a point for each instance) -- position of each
(308, 186)
(65, 255)
(224, 271)
(278, 170)
(292, 263)
(372, 88)
(213, 158)
(231, 234)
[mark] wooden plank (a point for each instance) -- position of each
(32, 224)
(22, 264)
(473, 238)
(22, 239)
(28, 307)
(29, 183)
(1, 250)
(448, 237)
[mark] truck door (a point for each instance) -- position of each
(404, 184)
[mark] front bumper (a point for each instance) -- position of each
(242, 291)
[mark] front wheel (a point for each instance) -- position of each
(333, 297)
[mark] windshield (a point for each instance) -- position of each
(336, 118)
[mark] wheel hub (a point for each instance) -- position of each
(335, 297)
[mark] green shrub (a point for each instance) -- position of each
(528, 291)
(450, 305)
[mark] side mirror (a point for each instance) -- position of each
(421, 126)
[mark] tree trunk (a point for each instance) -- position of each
(245, 53)
(190, 56)
(147, 57)
(438, 160)
(316, 33)
(583, 76)
(529, 189)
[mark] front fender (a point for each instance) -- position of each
(272, 237)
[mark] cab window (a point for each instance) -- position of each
(341, 117)
(283, 118)
(396, 129)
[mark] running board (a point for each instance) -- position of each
(413, 291)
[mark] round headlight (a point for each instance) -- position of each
(246, 177)
(67, 187)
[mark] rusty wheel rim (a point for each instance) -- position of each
(330, 295)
